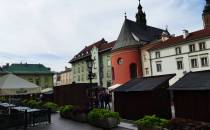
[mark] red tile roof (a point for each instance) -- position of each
(179, 39)
(102, 45)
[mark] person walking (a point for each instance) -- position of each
(107, 99)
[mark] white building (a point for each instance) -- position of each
(179, 55)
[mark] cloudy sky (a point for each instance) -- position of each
(51, 32)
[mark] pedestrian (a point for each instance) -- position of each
(107, 100)
(102, 98)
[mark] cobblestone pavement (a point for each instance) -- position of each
(63, 124)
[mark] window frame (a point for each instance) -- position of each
(192, 64)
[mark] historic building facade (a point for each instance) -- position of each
(35, 73)
(100, 53)
(64, 77)
(181, 54)
(126, 54)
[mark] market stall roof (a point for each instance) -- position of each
(144, 84)
(11, 84)
(193, 81)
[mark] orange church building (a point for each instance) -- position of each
(126, 54)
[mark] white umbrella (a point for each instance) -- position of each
(11, 85)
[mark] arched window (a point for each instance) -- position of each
(113, 74)
(133, 71)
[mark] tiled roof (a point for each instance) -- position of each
(144, 84)
(133, 33)
(26, 69)
(179, 39)
(193, 81)
(102, 45)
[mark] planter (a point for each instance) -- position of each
(80, 117)
(145, 128)
(66, 115)
(105, 123)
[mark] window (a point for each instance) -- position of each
(194, 63)
(113, 74)
(82, 77)
(159, 67)
(133, 71)
(192, 47)
(147, 71)
(178, 50)
(120, 61)
(180, 65)
(157, 54)
(82, 68)
(204, 61)
(78, 78)
(202, 46)
(78, 69)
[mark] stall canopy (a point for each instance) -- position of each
(13, 85)
(47, 91)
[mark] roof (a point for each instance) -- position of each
(179, 39)
(26, 69)
(193, 81)
(133, 34)
(144, 84)
(102, 46)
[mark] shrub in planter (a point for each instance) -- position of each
(52, 106)
(151, 123)
(104, 118)
(65, 111)
(80, 114)
(33, 104)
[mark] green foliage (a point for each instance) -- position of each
(24, 102)
(152, 122)
(102, 114)
(66, 109)
(33, 103)
(50, 105)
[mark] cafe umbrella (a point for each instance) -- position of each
(12, 85)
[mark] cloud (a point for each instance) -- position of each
(53, 31)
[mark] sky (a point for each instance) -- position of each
(51, 32)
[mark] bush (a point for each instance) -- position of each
(102, 114)
(50, 105)
(66, 109)
(24, 102)
(33, 103)
(152, 122)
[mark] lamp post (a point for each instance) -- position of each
(89, 62)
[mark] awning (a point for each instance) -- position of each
(47, 91)
(13, 85)
(113, 87)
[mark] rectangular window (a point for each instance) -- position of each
(202, 46)
(147, 71)
(157, 54)
(178, 50)
(180, 65)
(204, 61)
(78, 78)
(159, 67)
(78, 69)
(192, 47)
(194, 63)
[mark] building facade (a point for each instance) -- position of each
(186, 53)
(100, 53)
(35, 73)
(64, 77)
(126, 54)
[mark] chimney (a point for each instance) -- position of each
(165, 36)
(185, 33)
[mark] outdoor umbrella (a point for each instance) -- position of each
(11, 85)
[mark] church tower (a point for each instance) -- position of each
(141, 16)
(206, 15)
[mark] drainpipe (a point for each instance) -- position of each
(150, 59)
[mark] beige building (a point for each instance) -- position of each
(66, 76)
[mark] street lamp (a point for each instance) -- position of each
(89, 62)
